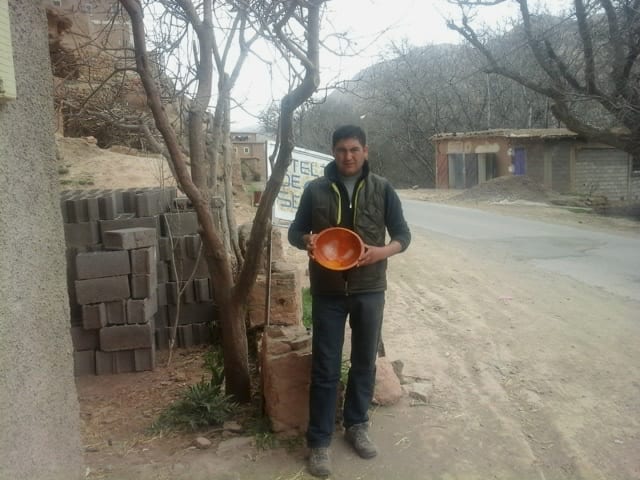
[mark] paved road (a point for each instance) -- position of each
(609, 261)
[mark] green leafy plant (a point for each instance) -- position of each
(201, 405)
(306, 307)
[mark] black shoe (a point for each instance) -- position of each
(319, 462)
(358, 437)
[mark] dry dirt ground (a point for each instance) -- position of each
(527, 374)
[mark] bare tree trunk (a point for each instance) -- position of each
(228, 182)
(234, 340)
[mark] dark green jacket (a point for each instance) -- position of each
(376, 210)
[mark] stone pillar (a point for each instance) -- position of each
(39, 411)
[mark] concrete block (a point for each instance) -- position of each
(102, 264)
(163, 337)
(186, 266)
(84, 363)
(126, 337)
(84, 339)
(161, 290)
(143, 286)
(141, 310)
(163, 272)
(172, 294)
(192, 245)
(162, 317)
(116, 312)
(179, 224)
(203, 290)
(131, 222)
(124, 361)
(202, 333)
(77, 210)
(97, 290)
(105, 363)
(129, 238)
(94, 316)
(185, 336)
(194, 313)
(129, 201)
(188, 292)
(145, 358)
(107, 206)
(81, 234)
(143, 260)
(164, 248)
(150, 203)
(93, 211)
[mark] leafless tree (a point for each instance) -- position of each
(593, 83)
(293, 28)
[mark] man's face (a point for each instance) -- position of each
(350, 155)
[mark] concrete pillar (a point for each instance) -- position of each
(39, 411)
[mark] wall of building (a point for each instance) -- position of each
(39, 412)
(602, 171)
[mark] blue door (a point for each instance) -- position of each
(520, 161)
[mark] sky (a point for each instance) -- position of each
(372, 25)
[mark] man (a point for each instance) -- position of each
(349, 196)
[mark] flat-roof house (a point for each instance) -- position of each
(555, 157)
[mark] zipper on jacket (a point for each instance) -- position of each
(337, 190)
(355, 202)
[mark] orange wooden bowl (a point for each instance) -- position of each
(338, 248)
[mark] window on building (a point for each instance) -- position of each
(57, 3)
(247, 150)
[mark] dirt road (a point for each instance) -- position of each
(528, 375)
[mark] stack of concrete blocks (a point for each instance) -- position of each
(185, 295)
(142, 302)
(285, 348)
(116, 291)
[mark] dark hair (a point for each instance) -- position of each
(349, 131)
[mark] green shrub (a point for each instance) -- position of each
(201, 405)
(306, 307)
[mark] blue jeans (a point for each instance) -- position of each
(329, 314)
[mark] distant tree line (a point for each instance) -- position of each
(578, 69)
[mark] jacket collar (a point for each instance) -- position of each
(331, 171)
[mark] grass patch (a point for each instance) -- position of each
(201, 405)
(306, 307)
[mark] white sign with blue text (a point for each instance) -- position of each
(305, 166)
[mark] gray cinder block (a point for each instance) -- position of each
(143, 286)
(203, 291)
(145, 358)
(184, 223)
(94, 316)
(102, 264)
(129, 238)
(141, 310)
(84, 363)
(116, 312)
(97, 290)
(84, 339)
(81, 234)
(128, 222)
(126, 337)
(143, 260)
